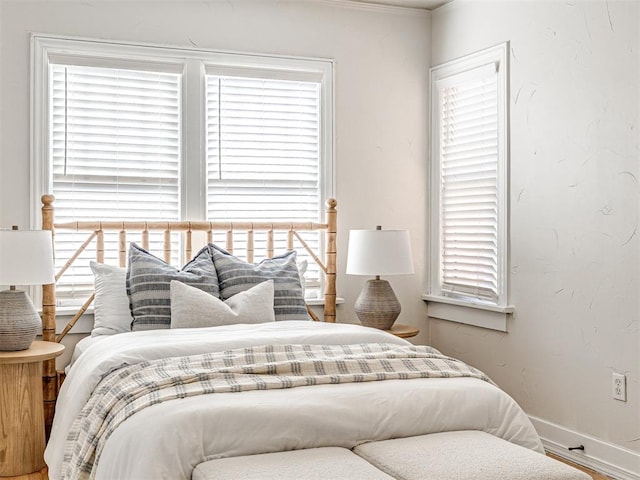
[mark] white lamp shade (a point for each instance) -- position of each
(26, 257)
(379, 252)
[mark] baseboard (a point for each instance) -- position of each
(611, 460)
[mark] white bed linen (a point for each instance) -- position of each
(82, 345)
(168, 440)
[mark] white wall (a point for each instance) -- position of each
(382, 59)
(575, 272)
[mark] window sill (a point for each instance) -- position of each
(485, 316)
(313, 302)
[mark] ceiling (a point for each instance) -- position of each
(421, 4)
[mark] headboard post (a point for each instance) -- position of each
(330, 278)
(49, 376)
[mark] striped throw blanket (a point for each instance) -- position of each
(131, 388)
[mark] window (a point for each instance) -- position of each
(468, 223)
(262, 148)
(114, 154)
(262, 155)
(141, 132)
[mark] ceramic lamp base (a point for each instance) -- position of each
(377, 305)
(19, 321)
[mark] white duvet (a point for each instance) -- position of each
(167, 440)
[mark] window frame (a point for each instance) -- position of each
(466, 308)
(193, 63)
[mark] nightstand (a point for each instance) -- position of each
(22, 416)
(403, 331)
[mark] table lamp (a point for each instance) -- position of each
(378, 252)
(26, 258)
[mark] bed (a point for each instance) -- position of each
(161, 402)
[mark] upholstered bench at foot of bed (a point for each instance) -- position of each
(330, 463)
(463, 455)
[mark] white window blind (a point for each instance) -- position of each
(262, 149)
(115, 153)
(263, 154)
(469, 189)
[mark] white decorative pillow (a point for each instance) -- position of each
(193, 308)
(111, 305)
(302, 270)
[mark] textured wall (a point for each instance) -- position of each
(574, 209)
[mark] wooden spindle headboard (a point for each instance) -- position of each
(95, 231)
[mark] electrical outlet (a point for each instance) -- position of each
(619, 387)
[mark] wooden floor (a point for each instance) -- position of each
(594, 475)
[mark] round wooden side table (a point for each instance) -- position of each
(22, 437)
(403, 331)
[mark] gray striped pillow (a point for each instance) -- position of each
(236, 275)
(148, 285)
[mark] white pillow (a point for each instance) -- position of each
(193, 308)
(302, 270)
(111, 305)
